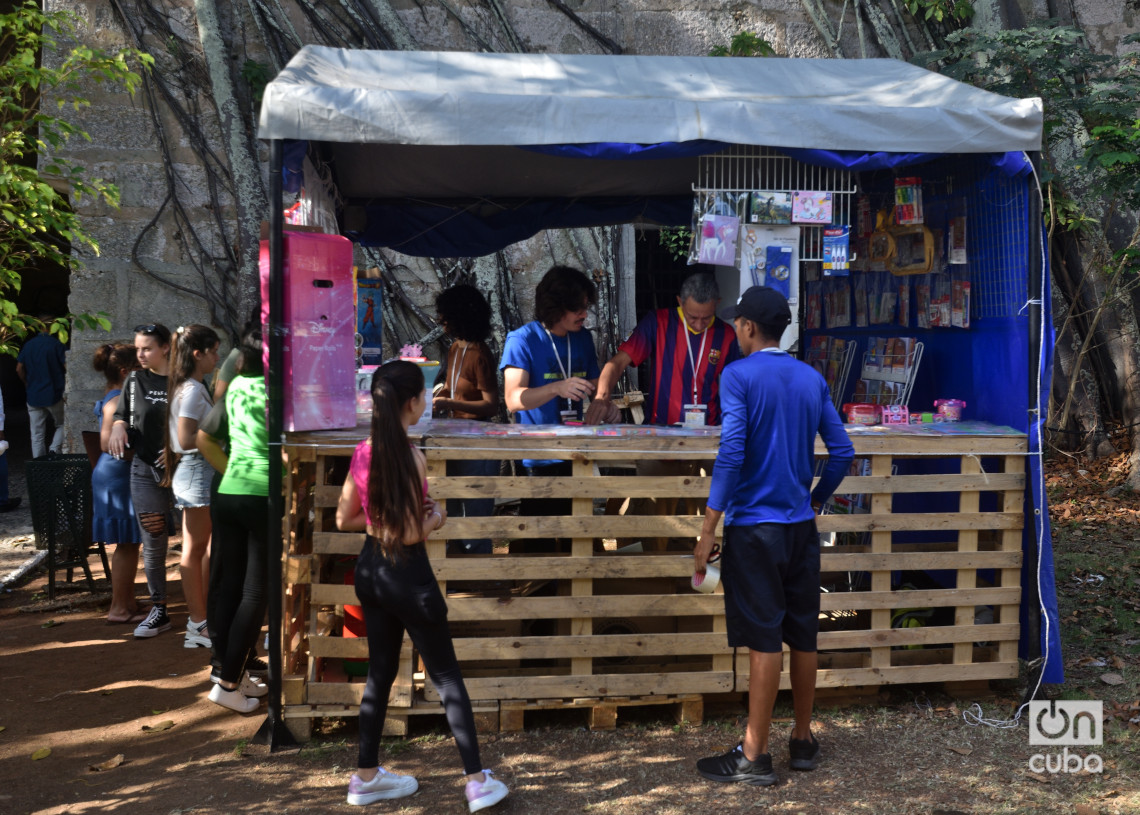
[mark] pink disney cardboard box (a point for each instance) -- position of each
(320, 326)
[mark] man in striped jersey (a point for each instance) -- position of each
(688, 347)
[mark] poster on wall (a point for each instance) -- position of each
(369, 296)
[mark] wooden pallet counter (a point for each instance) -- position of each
(600, 628)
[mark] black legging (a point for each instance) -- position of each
(399, 595)
(238, 570)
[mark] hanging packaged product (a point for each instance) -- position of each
(957, 241)
(770, 207)
(811, 207)
(865, 222)
(753, 257)
(859, 290)
(813, 314)
(718, 239)
(837, 303)
(836, 251)
(904, 302)
(778, 267)
(960, 304)
(956, 234)
(922, 301)
(908, 201)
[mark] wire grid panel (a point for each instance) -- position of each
(743, 168)
(997, 225)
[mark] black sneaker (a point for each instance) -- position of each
(256, 665)
(733, 766)
(155, 623)
(804, 753)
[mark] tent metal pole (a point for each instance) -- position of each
(273, 730)
(1035, 293)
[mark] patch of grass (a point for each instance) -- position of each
(239, 748)
(322, 750)
(397, 748)
(1097, 614)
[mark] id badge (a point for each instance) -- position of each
(695, 415)
(568, 417)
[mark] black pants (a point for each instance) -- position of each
(238, 595)
(404, 595)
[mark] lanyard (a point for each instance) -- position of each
(569, 364)
(700, 354)
(455, 374)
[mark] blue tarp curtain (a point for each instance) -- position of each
(466, 229)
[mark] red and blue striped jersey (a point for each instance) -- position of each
(661, 337)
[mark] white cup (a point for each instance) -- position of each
(711, 579)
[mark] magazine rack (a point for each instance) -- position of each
(899, 368)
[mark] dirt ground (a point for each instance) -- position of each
(78, 693)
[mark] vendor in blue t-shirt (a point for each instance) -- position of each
(549, 366)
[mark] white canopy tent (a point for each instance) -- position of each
(445, 124)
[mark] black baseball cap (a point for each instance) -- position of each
(761, 305)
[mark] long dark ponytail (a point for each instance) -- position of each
(395, 496)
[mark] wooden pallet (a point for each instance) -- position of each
(600, 630)
(602, 713)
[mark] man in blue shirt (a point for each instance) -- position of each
(40, 367)
(772, 407)
(549, 366)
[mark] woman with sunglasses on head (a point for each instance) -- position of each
(140, 428)
(194, 354)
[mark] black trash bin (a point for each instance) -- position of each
(59, 491)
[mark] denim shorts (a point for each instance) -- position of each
(191, 482)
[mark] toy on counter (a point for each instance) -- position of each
(923, 418)
(949, 409)
(862, 413)
(412, 353)
(895, 414)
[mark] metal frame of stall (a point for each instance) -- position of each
(274, 730)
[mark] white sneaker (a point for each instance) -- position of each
(485, 794)
(233, 699)
(383, 787)
(196, 635)
(252, 686)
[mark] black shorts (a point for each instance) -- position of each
(771, 586)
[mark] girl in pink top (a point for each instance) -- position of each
(386, 496)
